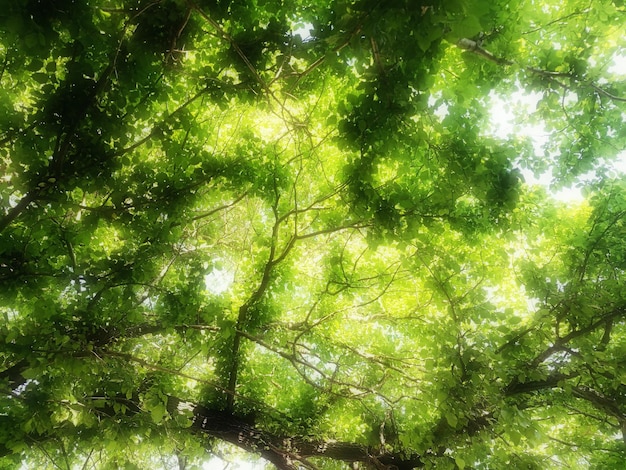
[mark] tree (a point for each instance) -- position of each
(219, 230)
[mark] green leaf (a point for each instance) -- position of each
(451, 418)
(468, 27)
(157, 412)
(40, 77)
(35, 65)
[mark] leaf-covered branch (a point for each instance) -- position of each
(474, 47)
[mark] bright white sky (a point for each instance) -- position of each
(504, 124)
(218, 280)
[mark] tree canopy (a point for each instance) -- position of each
(285, 228)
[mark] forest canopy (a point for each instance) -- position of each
(286, 229)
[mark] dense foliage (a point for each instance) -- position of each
(221, 232)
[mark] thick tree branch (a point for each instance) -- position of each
(286, 453)
(516, 387)
(599, 401)
(13, 374)
(558, 345)
(16, 210)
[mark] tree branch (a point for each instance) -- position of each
(473, 46)
(285, 452)
(16, 210)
